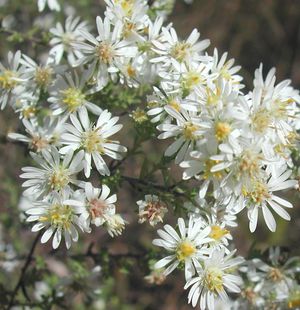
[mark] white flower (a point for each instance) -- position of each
(58, 218)
(258, 195)
(187, 248)
(39, 77)
(169, 47)
(226, 70)
(69, 94)
(187, 130)
(65, 37)
(93, 139)
(98, 206)
(103, 51)
(213, 279)
(40, 137)
(52, 4)
(151, 209)
(55, 174)
(10, 79)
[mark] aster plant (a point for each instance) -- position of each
(236, 150)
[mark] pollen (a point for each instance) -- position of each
(185, 250)
(213, 279)
(218, 232)
(92, 141)
(73, 98)
(222, 130)
(7, 80)
(189, 131)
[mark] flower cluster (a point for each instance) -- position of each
(237, 146)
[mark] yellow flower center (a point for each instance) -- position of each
(92, 141)
(218, 232)
(185, 250)
(208, 164)
(213, 279)
(73, 98)
(250, 163)
(189, 131)
(29, 112)
(139, 116)
(105, 52)
(275, 275)
(7, 80)
(38, 143)
(59, 216)
(180, 51)
(128, 28)
(192, 79)
(222, 130)
(131, 71)
(257, 193)
(43, 76)
(58, 179)
(261, 120)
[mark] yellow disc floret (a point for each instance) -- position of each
(59, 216)
(73, 98)
(213, 279)
(185, 250)
(92, 141)
(189, 131)
(222, 130)
(218, 232)
(58, 179)
(7, 80)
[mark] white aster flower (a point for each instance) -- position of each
(54, 174)
(69, 94)
(93, 139)
(40, 137)
(187, 247)
(10, 79)
(103, 51)
(58, 218)
(258, 195)
(64, 37)
(98, 205)
(170, 47)
(187, 130)
(213, 279)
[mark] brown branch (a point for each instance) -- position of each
(20, 283)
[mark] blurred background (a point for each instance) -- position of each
(252, 32)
